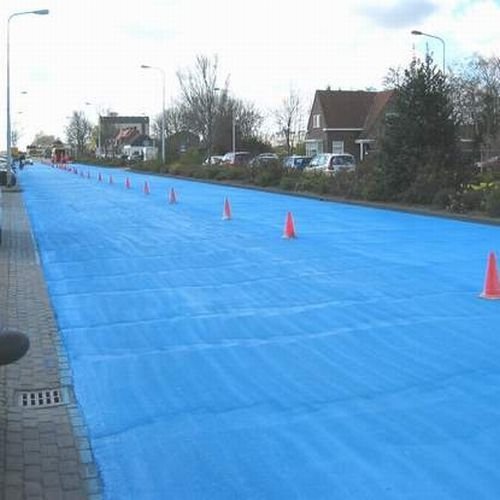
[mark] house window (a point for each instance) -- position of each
(314, 148)
(316, 121)
(338, 147)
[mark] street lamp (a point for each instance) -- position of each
(421, 33)
(145, 66)
(98, 152)
(41, 12)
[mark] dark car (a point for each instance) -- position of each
(3, 173)
(237, 158)
(296, 161)
(264, 159)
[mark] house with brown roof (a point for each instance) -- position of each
(116, 131)
(346, 121)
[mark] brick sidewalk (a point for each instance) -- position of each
(44, 452)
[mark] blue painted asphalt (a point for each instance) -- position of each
(214, 359)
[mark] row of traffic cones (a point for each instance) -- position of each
(490, 291)
(288, 231)
(172, 196)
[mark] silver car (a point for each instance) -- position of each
(331, 162)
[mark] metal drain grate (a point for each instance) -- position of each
(42, 398)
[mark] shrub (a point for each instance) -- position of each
(288, 183)
(443, 197)
(212, 172)
(493, 203)
(191, 157)
(175, 169)
(474, 199)
(226, 173)
(368, 179)
(268, 175)
(314, 182)
(342, 184)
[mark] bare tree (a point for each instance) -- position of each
(289, 118)
(41, 139)
(79, 132)
(200, 99)
(243, 116)
(476, 95)
(175, 121)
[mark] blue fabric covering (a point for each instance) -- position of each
(215, 360)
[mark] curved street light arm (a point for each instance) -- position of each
(421, 33)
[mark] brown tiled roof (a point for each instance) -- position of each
(345, 108)
(380, 101)
(127, 135)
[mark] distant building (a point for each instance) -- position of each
(141, 123)
(135, 145)
(347, 121)
(117, 131)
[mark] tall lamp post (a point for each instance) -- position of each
(41, 12)
(421, 33)
(145, 66)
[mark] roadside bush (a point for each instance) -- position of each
(493, 203)
(191, 157)
(290, 179)
(315, 182)
(268, 175)
(231, 174)
(178, 169)
(212, 172)
(288, 183)
(342, 184)
(367, 183)
(474, 200)
(442, 198)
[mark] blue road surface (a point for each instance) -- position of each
(216, 360)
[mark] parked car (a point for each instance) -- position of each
(135, 156)
(3, 175)
(296, 161)
(264, 159)
(331, 163)
(237, 158)
(214, 160)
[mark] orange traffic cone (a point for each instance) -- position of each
(172, 197)
(491, 282)
(289, 231)
(226, 214)
(146, 187)
(100, 177)
(127, 183)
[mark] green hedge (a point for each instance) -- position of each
(364, 184)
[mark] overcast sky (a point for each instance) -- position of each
(91, 50)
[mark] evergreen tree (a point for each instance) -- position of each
(420, 151)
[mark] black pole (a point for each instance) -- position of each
(13, 346)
